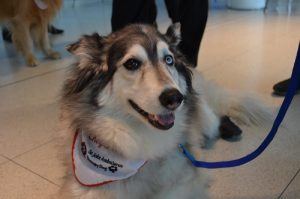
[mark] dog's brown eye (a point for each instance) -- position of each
(169, 60)
(132, 64)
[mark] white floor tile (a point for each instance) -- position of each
(17, 182)
(45, 162)
(256, 70)
(10, 74)
(293, 190)
(2, 160)
(29, 113)
(265, 35)
(266, 176)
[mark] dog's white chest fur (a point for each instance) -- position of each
(94, 165)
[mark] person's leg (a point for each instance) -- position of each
(132, 11)
(193, 17)
(173, 9)
(6, 34)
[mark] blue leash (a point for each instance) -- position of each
(293, 86)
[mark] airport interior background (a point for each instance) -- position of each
(243, 50)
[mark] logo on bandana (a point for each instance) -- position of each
(95, 164)
(83, 148)
(113, 169)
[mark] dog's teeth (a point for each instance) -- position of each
(152, 117)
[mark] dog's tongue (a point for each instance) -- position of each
(166, 119)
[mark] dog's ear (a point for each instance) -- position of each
(89, 50)
(91, 66)
(173, 34)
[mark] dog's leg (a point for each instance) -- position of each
(210, 122)
(22, 41)
(227, 105)
(40, 35)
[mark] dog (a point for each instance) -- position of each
(128, 102)
(27, 20)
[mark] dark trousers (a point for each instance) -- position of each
(192, 15)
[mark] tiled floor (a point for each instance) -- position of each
(245, 51)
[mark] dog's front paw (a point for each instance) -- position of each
(229, 130)
(31, 61)
(53, 55)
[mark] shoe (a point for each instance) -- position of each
(229, 130)
(281, 88)
(55, 31)
(6, 34)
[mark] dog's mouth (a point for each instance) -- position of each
(161, 121)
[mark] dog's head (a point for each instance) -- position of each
(136, 72)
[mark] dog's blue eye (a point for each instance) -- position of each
(132, 64)
(169, 60)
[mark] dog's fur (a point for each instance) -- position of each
(95, 99)
(25, 20)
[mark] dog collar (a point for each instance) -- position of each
(95, 165)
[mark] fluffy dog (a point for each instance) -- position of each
(30, 17)
(126, 105)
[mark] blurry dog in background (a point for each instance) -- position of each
(127, 103)
(28, 20)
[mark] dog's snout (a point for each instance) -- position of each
(171, 98)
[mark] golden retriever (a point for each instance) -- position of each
(29, 19)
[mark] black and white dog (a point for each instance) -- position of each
(128, 102)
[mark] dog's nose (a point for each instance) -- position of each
(171, 98)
